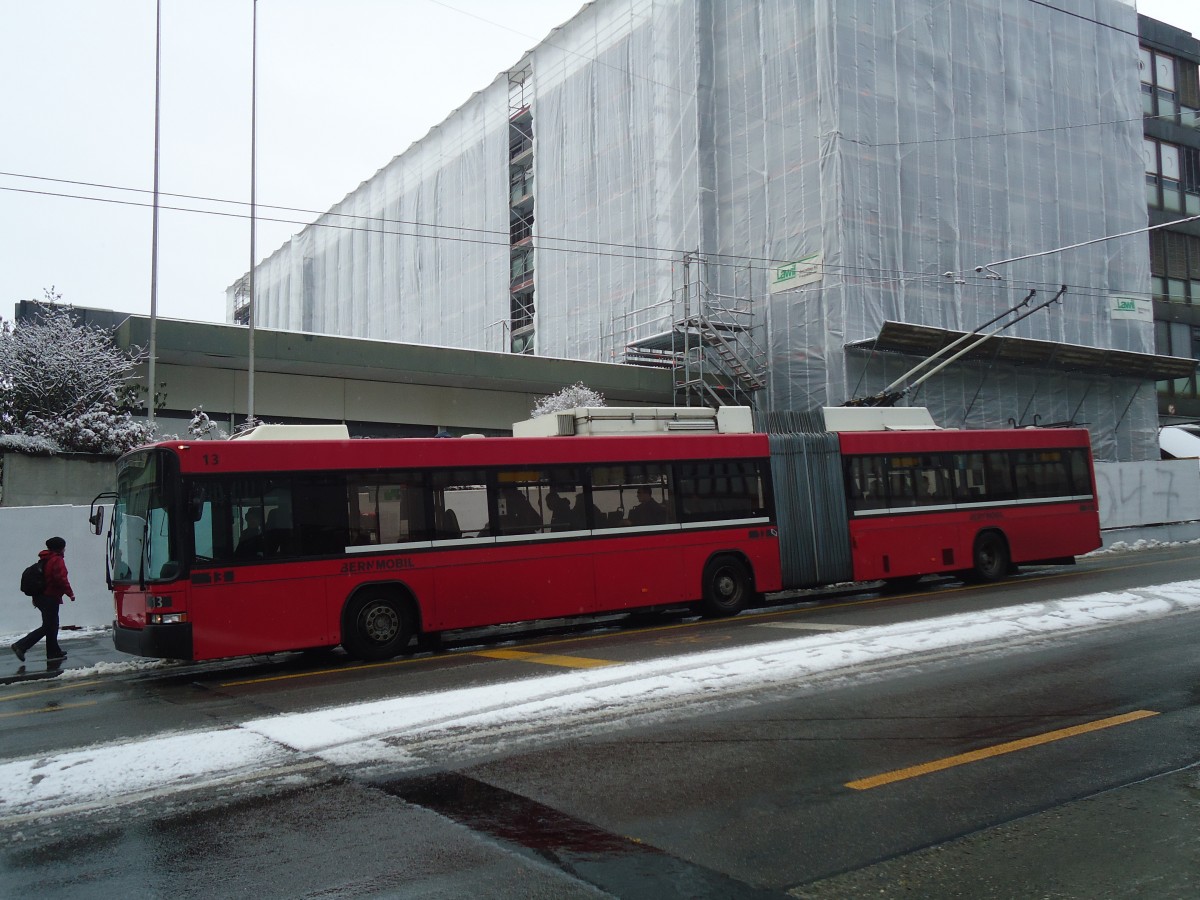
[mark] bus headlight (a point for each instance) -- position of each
(174, 618)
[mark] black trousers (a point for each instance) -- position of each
(49, 630)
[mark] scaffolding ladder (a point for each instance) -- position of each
(706, 339)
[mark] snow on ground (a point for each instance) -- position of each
(413, 731)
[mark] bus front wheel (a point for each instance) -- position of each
(991, 558)
(375, 626)
(728, 587)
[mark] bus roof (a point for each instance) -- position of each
(216, 457)
(294, 433)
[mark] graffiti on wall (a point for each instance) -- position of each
(1148, 493)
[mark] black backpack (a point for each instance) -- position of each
(33, 579)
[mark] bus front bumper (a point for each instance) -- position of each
(158, 641)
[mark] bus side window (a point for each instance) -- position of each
(615, 495)
(1077, 463)
(608, 501)
(902, 488)
(460, 504)
(970, 484)
(866, 484)
(277, 536)
(934, 487)
(319, 526)
(363, 515)
(722, 489)
(516, 512)
(445, 521)
(387, 509)
(536, 501)
(564, 506)
(998, 467)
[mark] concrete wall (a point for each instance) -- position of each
(48, 480)
(1148, 493)
(1157, 500)
(339, 399)
(25, 530)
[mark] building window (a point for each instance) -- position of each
(1170, 88)
(1175, 267)
(1172, 176)
(1177, 339)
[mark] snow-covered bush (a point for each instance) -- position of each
(66, 387)
(203, 428)
(251, 422)
(572, 397)
(31, 444)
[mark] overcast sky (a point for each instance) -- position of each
(343, 86)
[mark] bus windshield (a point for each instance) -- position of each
(142, 540)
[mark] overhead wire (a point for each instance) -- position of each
(502, 237)
(547, 242)
(871, 276)
(860, 276)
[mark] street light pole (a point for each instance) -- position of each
(150, 374)
(253, 204)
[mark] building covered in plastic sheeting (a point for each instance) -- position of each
(819, 168)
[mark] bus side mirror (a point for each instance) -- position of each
(96, 518)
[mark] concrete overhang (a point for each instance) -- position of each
(209, 345)
(923, 341)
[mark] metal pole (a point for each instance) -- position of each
(150, 374)
(990, 334)
(253, 204)
(954, 344)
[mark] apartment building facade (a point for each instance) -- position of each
(788, 205)
(1168, 64)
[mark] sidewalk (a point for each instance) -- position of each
(86, 648)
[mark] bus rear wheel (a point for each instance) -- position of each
(728, 587)
(376, 625)
(991, 558)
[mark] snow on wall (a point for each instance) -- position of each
(899, 141)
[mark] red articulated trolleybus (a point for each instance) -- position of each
(290, 538)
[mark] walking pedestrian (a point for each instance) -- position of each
(54, 566)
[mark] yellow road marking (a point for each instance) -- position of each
(546, 659)
(387, 663)
(950, 762)
(45, 709)
(66, 687)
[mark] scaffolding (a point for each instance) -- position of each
(241, 301)
(522, 321)
(706, 339)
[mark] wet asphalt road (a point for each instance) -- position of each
(746, 801)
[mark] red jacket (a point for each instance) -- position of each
(57, 583)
